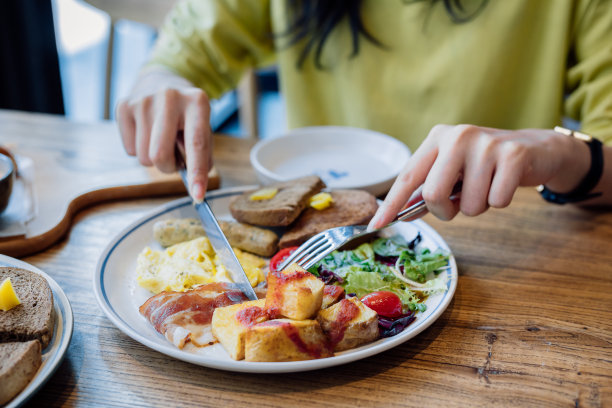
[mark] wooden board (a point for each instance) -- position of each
(76, 166)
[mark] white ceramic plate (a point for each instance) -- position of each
(344, 157)
(120, 297)
(54, 353)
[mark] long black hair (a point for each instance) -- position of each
(314, 20)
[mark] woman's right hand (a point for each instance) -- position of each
(150, 118)
(491, 163)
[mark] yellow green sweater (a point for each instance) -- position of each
(517, 64)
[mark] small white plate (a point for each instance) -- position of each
(54, 353)
(119, 295)
(344, 157)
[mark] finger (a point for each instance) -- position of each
(164, 131)
(408, 181)
(477, 176)
(437, 190)
(415, 199)
(444, 174)
(143, 131)
(127, 127)
(198, 146)
(506, 180)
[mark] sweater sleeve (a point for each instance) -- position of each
(212, 42)
(590, 76)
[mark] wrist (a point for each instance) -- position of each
(574, 164)
(153, 79)
(588, 181)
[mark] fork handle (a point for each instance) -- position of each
(419, 208)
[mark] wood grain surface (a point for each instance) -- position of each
(76, 166)
(530, 324)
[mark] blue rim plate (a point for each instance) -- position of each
(119, 296)
(54, 353)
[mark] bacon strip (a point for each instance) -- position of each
(186, 316)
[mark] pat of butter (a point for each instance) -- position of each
(321, 201)
(8, 297)
(263, 194)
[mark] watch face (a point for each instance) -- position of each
(582, 136)
(578, 135)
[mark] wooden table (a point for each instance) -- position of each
(530, 323)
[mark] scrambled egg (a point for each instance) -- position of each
(187, 264)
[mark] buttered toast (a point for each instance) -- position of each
(25, 329)
(33, 318)
(349, 207)
(282, 208)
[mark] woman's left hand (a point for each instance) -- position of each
(492, 164)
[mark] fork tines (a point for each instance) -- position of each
(310, 252)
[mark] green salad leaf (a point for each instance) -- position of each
(417, 265)
(375, 266)
(393, 246)
(361, 283)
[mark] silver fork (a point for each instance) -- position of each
(325, 242)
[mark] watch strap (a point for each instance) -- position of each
(583, 190)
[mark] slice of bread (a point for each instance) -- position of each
(349, 207)
(282, 209)
(33, 318)
(19, 362)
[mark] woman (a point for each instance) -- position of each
(402, 68)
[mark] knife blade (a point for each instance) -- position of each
(220, 244)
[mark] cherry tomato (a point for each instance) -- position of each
(386, 304)
(280, 256)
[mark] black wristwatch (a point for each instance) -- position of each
(583, 191)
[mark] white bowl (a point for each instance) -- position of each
(344, 157)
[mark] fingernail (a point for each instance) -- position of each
(373, 222)
(197, 192)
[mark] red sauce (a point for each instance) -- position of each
(277, 282)
(251, 315)
(313, 350)
(285, 276)
(333, 290)
(331, 294)
(273, 312)
(348, 311)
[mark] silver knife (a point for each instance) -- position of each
(217, 239)
(221, 245)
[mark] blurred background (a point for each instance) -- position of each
(78, 58)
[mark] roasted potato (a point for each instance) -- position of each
(294, 293)
(230, 323)
(332, 294)
(349, 323)
(286, 340)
